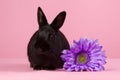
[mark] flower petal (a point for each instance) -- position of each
(71, 68)
(77, 68)
(75, 49)
(93, 44)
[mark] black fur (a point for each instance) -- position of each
(45, 46)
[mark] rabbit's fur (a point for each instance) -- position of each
(45, 46)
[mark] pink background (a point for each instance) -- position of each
(97, 19)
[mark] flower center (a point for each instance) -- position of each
(81, 58)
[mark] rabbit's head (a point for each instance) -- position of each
(48, 33)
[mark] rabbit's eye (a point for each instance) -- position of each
(51, 37)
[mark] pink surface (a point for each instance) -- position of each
(97, 19)
(18, 69)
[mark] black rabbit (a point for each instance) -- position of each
(45, 46)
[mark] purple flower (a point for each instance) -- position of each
(84, 55)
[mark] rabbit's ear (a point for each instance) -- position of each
(41, 17)
(58, 21)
